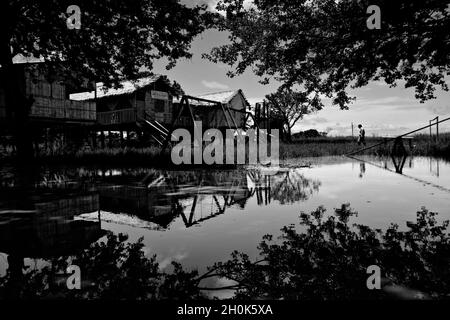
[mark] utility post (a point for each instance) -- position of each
(437, 128)
(429, 122)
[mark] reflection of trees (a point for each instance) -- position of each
(292, 186)
(328, 259)
(113, 269)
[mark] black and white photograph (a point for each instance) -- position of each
(229, 158)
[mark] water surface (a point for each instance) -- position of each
(199, 217)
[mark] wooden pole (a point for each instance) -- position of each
(109, 139)
(94, 139)
(258, 122)
(46, 140)
(184, 100)
(102, 139)
(431, 135)
(437, 129)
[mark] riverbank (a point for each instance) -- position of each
(319, 147)
(306, 148)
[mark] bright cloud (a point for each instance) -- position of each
(214, 85)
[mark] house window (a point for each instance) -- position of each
(160, 106)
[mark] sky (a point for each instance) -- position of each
(383, 111)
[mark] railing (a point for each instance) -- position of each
(396, 138)
(63, 109)
(116, 117)
(59, 109)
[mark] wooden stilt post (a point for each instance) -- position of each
(102, 138)
(258, 122)
(46, 140)
(36, 142)
(94, 139)
(109, 140)
(174, 120)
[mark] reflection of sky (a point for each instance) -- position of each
(380, 197)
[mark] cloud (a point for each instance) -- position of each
(386, 101)
(164, 263)
(440, 110)
(371, 130)
(214, 85)
(320, 120)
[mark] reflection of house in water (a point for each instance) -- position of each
(153, 199)
(43, 225)
(149, 204)
(196, 196)
(212, 193)
(50, 228)
(162, 196)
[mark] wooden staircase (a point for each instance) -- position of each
(156, 129)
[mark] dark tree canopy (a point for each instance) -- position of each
(325, 45)
(116, 40)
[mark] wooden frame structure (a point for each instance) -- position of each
(185, 103)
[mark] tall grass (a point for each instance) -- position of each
(421, 145)
(150, 156)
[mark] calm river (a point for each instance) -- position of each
(199, 217)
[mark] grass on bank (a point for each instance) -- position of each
(422, 145)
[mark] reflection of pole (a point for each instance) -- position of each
(437, 167)
(431, 168)
(434, 173)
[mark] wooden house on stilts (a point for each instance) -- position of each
(52, 116)
(144, 106)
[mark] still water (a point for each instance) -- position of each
(199, 217)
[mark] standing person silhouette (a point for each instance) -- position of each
(362, 135)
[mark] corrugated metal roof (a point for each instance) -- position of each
(223, 97)
(127, 87)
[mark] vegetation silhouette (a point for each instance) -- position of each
(328, 260)
(325, 257)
